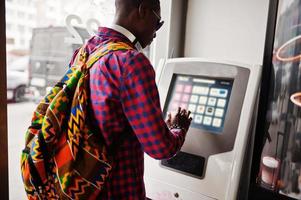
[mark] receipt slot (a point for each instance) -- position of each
(221, 97)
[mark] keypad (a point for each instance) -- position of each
(206, 100)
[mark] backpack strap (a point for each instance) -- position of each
(83, 59)
(109, 47)
(93, 58)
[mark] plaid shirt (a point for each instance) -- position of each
(126, 106)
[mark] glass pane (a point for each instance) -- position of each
(41, 38)
(280, 169)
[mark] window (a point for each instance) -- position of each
(21, 15)
(9, 27)
(21, 28)
(22, 42)
(10, 12)
(42, 47)
(48, 44)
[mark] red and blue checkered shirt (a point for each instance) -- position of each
(126, 106)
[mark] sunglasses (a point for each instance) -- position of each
(159, 23)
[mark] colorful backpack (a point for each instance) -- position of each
(65, 157)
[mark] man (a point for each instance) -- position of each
(125, 100)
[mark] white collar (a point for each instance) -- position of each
(127, 34)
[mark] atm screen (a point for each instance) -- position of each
(206, 98)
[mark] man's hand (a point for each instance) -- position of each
(181, 120)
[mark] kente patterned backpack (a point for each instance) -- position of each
(64, 156)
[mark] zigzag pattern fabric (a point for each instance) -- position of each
(64, 157)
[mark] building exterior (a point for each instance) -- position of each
(21, 18)
(24, 15)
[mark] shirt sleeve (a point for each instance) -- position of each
(141, 105)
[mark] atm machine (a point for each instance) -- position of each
(221, 97)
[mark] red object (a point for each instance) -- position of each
(125, 101)
(296, 98)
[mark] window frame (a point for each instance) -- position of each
(3, 108)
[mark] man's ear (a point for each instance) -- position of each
(142, 10)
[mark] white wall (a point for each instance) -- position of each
(170, 39)
(160, 45)
(231, 30)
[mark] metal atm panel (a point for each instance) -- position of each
(212, 154)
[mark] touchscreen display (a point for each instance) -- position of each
(206, 98)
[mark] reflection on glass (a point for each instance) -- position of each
(41, 36)
(296, 99)
(269, 170)
(281, 157)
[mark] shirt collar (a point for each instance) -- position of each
(127, 34)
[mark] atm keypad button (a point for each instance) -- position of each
(217, 92)
(221, 103)
(211, 101)
(185, 98)
(183, 105)
(223, 93)
(179, 88)
(200, 90)
(194, 98)
(219, 112)
(209, 111)
(177, 97)
(200, 109)
(217, 122)
(175, 105)
(198, 119)
(203, 100)
(207, 121)
(192, 108)
(187, 89)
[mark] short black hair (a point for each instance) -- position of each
(152, 2)
(127, 4)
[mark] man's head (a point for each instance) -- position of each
(141, 17)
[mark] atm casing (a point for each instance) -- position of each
(223, 153)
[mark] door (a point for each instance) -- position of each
(279, 169)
